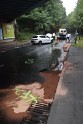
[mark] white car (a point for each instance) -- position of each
(40, 39)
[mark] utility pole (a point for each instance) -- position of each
(76, 32)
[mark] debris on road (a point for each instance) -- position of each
(29, 61)
(26, 95)
(66, 47)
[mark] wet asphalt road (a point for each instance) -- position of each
(22, 65)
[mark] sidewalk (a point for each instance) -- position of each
(67, 107)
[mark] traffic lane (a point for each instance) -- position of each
(20, 52)
(40, 53)
(6, 46)
(61, 43)
(17, 69)
(13, 48)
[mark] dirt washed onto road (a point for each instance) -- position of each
(13, 108)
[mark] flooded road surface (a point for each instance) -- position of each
(26, 68)
(23, 64)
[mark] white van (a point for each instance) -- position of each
(62, 31)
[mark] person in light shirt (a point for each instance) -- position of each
(68, 36)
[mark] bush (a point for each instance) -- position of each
(23, 36)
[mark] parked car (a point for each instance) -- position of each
(40, 39)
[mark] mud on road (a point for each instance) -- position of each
(13, 109)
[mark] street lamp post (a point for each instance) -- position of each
(76, 32)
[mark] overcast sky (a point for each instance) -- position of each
(69, 5)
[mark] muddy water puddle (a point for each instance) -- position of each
(13, 109)
(31, 74)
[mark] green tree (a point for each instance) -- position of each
(72, 18)
(47, 18)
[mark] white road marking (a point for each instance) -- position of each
(17, 47)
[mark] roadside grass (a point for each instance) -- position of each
(79, 42)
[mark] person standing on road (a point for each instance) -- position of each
(53, 35)
(68, 38)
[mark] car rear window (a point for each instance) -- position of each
(61, 30)
(35, 36)
(42, 36)
(64, 30)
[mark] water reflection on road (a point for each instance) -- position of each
(24, 64)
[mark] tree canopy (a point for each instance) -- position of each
(47, 18)
(72, 18)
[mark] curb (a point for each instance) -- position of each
(51, 119)
(52, 115)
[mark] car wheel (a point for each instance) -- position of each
(40, 42)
